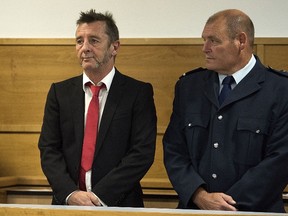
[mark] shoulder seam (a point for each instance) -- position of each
(192, 71)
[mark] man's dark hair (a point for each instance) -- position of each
(92, 16)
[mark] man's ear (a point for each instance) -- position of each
(116, 45)
(242, 37)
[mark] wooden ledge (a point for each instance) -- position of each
(286, 189)
(147, 184)
(41, 210)
(156, 183)
(9, 181)
(151, 186)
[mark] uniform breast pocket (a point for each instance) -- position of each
(251, 140)
(196, 133)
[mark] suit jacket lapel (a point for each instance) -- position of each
(113, 99)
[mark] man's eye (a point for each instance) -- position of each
(215, 41)
(79, 42)
(94, 41)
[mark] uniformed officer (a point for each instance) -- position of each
(226, 146)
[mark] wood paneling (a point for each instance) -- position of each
(19, 155)
(29, 66)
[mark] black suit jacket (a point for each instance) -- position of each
(125, 142)
(239, 148)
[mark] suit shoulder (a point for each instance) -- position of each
(278, 72)
(132, 80)
(133, 85)
(70, 80)
(200, 69)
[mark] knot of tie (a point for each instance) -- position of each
(227, 82)
(95, 89)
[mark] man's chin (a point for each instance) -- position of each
(89, 66)
(89, 69)
(209, 66)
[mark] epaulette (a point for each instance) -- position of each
(192, 71)
(279, 72)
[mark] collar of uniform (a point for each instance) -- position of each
(240, 74)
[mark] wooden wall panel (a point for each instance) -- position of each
(27, 72)
(19, 155)
(29, 66)
(276, 56)
(160, 65)
(157, 171)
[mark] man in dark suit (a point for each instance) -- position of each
(125, 145)
(231, 153)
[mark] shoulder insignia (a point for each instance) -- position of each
(192, 71)
(279, 72)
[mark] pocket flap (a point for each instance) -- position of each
(255, 125)
(197, 120)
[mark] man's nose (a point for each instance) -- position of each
(205, 47)
(86, 47)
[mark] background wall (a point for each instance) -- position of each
(160, 41)
(136, 18)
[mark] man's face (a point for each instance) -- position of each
(93, 47)
(221, 52)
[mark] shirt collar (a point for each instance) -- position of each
(107, 80)
(240, 74)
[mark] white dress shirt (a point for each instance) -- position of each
(103, 94)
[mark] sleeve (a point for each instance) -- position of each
(178, 164)
(51, 151)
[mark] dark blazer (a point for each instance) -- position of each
(239, 148)
(125, 143)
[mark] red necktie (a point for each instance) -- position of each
(90, 135)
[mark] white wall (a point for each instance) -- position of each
(136, 18)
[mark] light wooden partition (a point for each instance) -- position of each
(29, 66)
(40, 210)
